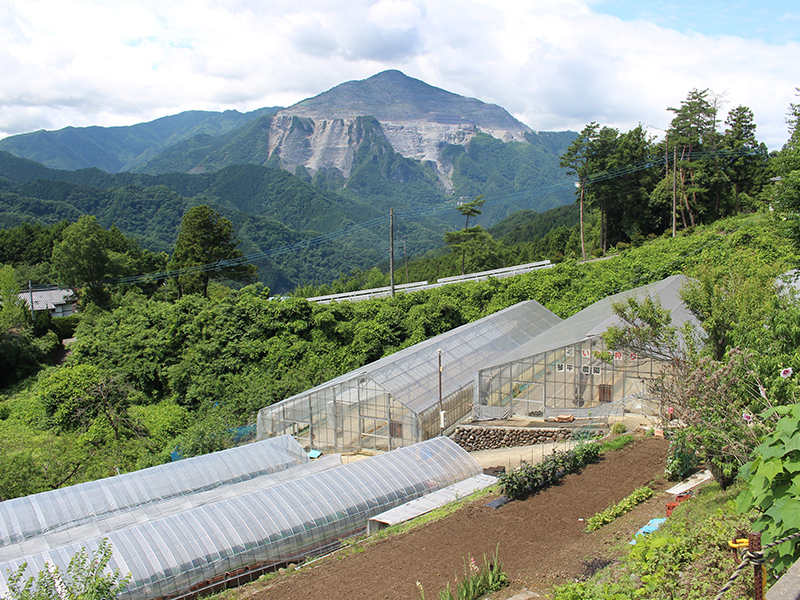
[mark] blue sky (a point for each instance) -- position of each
(553, 64)
(771, 21)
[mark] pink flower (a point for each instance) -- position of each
(787, 372)
(747, 417)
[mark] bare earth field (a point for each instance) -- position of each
(541, 542)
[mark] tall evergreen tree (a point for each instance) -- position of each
(206, 250)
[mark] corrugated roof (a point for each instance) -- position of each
(411, 375)
(597, 318)
(47, 299)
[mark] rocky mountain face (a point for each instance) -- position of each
(418, 120)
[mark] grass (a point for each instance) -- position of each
(616, 443)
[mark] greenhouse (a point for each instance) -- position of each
(233, 540)
(56, 517)
(404, 398)
(568, 369)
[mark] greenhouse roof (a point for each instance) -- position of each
(597, 318)
(411, 375)
(282, 523)
(106, 504)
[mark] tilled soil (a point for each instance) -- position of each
(540, 540)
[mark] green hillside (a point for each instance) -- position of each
(115, 149)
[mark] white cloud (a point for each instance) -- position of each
(555, 64)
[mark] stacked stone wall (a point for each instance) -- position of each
(473, 438)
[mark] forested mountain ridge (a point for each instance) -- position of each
(115, 149)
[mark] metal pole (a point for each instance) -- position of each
(391, 250)
(30, 291)
(441, 417)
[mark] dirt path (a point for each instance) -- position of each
(541, 542)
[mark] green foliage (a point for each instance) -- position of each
(530, 479)
(85, 579)
(687, 557)
(205, 242)
(615, 511)
(773, 485)
(618, 428)
(616, 443)
(681, 457)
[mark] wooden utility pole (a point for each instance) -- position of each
(674, 187)
(391, 251)
(405, 257)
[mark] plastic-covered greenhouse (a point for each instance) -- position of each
(563, 371)
(232, 540)
(69, 514)
(396, 401)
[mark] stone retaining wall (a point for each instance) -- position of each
(488, 438)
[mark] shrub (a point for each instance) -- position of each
(619, 428)
(84, 580)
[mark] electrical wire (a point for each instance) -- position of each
(409, 215)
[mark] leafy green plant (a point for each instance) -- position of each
(625, 505)
(84, 579)
(529, 479)
(616, 443)
(773, 485)
(687, 557)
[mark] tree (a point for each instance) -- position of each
(206, 250)
(746, 168)
(576, 160)
(694, 129)
(466, 238)
(81, 258)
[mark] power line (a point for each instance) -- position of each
(408, 215)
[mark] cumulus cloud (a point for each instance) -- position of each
(554, 64)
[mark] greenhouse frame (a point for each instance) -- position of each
(233, 540)
(568, 370)
(404, 398)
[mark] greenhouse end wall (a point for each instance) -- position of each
(354, 415)
(580, 379)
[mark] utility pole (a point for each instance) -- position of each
(30, 292)
(391, 251)
(674, 187)
(405, 257)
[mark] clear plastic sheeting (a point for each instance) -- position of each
(235, 539)
(89, 503)
(396, 401)
(569, 370)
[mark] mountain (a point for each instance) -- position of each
(390, 141)
(394, 141)
(115, 149)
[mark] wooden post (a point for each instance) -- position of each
(754, 545)
(391, 251)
